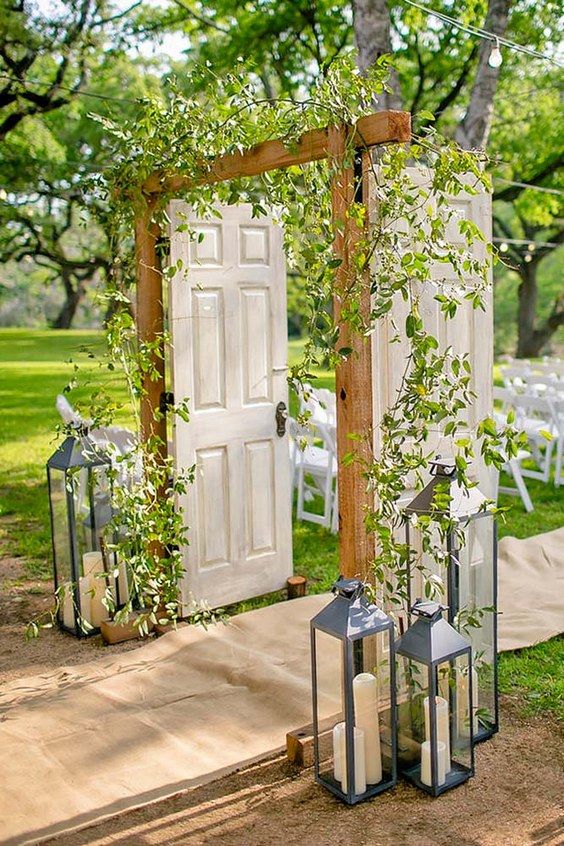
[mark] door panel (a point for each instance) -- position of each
(470, 331)
(229, 350)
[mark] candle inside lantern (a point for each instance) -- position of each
(68, 605)
(426, 772)
(442, 722)
(85, 599)
(463, 720)
(70, 613)
(340, 758)
(93, 565)
(365, 693)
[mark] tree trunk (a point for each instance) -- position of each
(527, 310)
(73, 296)
(474, 129)
(371, 21)
(531, 340)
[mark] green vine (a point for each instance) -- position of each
(402, 248)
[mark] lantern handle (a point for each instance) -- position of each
(349, 588)
(443, 466)
(428, 609)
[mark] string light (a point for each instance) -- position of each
(484, 34)
(496, 58)
(503, 247)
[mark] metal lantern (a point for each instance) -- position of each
(469, 551)
(353, 683)
(435, 724)
(80, 504)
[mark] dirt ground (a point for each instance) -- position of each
(515, 798)
(23, 599)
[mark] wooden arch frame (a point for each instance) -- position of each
(353, 375)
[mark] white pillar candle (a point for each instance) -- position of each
(340, 758)
(426, 772)
(463, 723)
(365, 694)
(66, 596)
(98, 611)
(92, 565)
(85, 599)
(92, 562)
(443, 733)
(122, 582)
(337, 750)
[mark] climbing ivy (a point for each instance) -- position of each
(399, 253)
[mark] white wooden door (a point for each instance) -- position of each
(470, 331)
(229, 352)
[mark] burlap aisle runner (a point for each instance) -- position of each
(87, 742)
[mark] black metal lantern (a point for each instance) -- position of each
(468, 578)
(435, 733)
(80, 504)
(353, 684)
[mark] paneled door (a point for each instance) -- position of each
(470, 331)
(229, 352)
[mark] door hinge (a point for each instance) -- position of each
(166, 401)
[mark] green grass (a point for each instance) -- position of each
(536, 676)
(35, 368)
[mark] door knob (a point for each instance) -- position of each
(281, 417)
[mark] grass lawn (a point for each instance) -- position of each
(35, 367)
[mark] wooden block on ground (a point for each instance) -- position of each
(296, 586)
(299, 742)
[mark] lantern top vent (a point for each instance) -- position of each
(350, 614)
(444, 495)
(430, 639)
(77, 451)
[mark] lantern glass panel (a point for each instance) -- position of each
(438, 758)
(362, 667)
(60, 525)
(476, 616)
(330, 708)
(454, 693)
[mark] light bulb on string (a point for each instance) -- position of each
(503, 247)
(496, 58)
(528, 258)
(532, 247)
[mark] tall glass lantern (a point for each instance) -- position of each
(80, 504)
(435, 725)
(353, 684)
(467, 577)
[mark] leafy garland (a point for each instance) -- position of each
(183, 137)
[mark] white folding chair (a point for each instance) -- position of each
(314, 469)
(515, 375)
(505, 397)
(117, 441)
(319, 404)
(536, 417)
(558, 406)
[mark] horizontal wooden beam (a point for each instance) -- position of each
(379, 128)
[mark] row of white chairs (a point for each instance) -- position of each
(313, 451)
(541, 418)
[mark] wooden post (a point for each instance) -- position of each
(354, 374)
(150, 323)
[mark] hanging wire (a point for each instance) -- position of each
(484, 34)
(520, 242)
(77, 93)
(529, 186)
